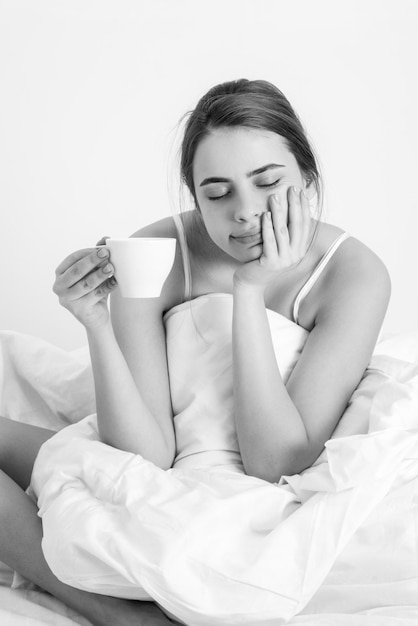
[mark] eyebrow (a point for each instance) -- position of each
(259, 170)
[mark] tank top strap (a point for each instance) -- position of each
(316, 274)
(184, 255)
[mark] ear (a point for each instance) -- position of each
(309, 189)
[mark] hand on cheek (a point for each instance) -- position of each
(285, 231)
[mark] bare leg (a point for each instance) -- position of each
(20, 543)
(19, 446)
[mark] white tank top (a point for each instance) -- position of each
(316, 274)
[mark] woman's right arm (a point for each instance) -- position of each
(131, 381)
(128, 357)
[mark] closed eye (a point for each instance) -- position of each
(263, 186)
(212, 198)
(273, 184)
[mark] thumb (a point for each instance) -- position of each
(102, 241)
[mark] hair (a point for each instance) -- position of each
(252, 104)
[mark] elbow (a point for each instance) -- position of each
(164, 457)
(168, 452)
(272, 467)
(167, 460)
(263, 472)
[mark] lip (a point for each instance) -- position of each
(250, 236)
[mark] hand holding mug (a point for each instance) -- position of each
(83, 282)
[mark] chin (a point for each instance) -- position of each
(244, 255)
(249, 254)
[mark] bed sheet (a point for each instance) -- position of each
(46, 386)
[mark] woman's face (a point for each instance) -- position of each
(235, 170)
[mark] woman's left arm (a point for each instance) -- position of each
(282, 428)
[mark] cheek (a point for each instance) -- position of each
(215, 227)
(215, 230)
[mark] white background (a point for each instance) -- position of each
(91, 91)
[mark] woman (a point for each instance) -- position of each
(253, 252)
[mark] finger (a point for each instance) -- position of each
(77, 266)
(296, 231)
(101, 292)
(279, 213)
(306, 222)
(269, 238)
(102, 241)
(71, 259)
(89, 283)
(281, 193)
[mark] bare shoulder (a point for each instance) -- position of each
(356, 262)
(353, 277)
(356, 278)
(162, 228)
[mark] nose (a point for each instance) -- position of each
(246, 208)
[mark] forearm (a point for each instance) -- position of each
(124, 419)
(270, 430)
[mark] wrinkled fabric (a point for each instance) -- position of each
(42, 384)
(335, 544)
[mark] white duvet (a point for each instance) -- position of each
(334, 545)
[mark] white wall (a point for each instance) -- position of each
(91, 90)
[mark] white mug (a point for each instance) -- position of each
(141, 264)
